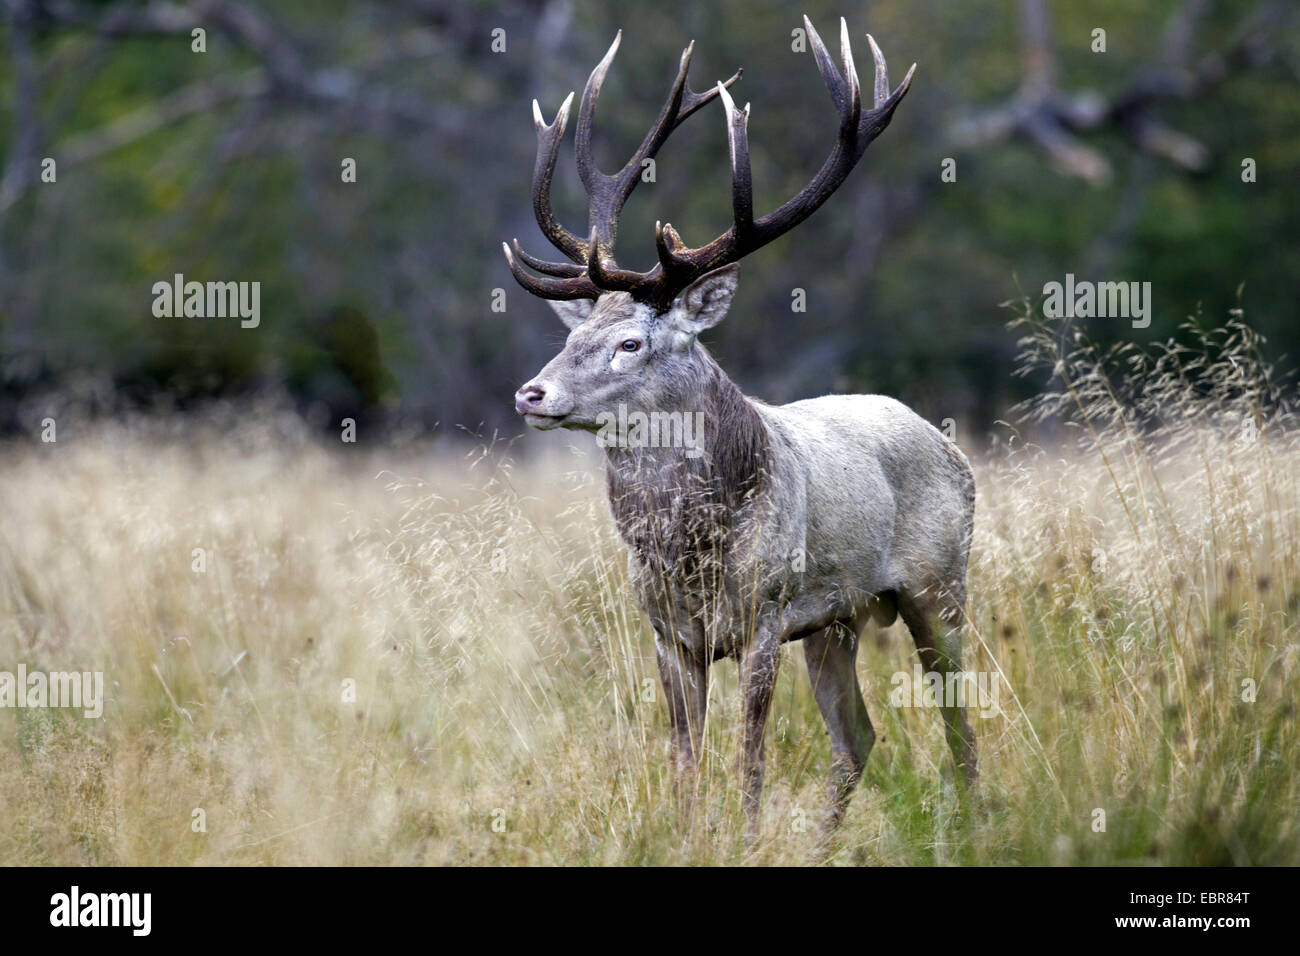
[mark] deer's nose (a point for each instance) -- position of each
(528, 398)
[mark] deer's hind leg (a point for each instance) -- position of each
(830, 654)
(935, 622)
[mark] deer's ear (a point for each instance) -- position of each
(706, 300)
(572, 312)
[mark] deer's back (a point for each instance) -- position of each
(883, 497)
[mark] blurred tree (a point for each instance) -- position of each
(378, 293)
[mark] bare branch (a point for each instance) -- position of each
(1051, 118)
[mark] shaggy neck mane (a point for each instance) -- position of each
(676, 505)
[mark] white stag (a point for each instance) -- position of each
(792, 522)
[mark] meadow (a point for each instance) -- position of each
(317, 653)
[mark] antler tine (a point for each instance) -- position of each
(850, 119)
(882, 74)
(742, 184)
(579, 287)
(692, 101)
(548, 148)
(874, 121)
(562, 269)
(587, 170)
(829, 71)
(667, 242)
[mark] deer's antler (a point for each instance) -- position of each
(593, 269)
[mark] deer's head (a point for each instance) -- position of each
(633, 334)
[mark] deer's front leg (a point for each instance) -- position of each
(685, 682)
(758, 679)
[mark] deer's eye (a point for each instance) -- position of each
(630, 345)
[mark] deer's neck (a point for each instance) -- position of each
(678, 497)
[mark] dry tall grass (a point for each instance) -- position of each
(506, 706)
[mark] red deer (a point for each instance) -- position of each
(792, 522)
